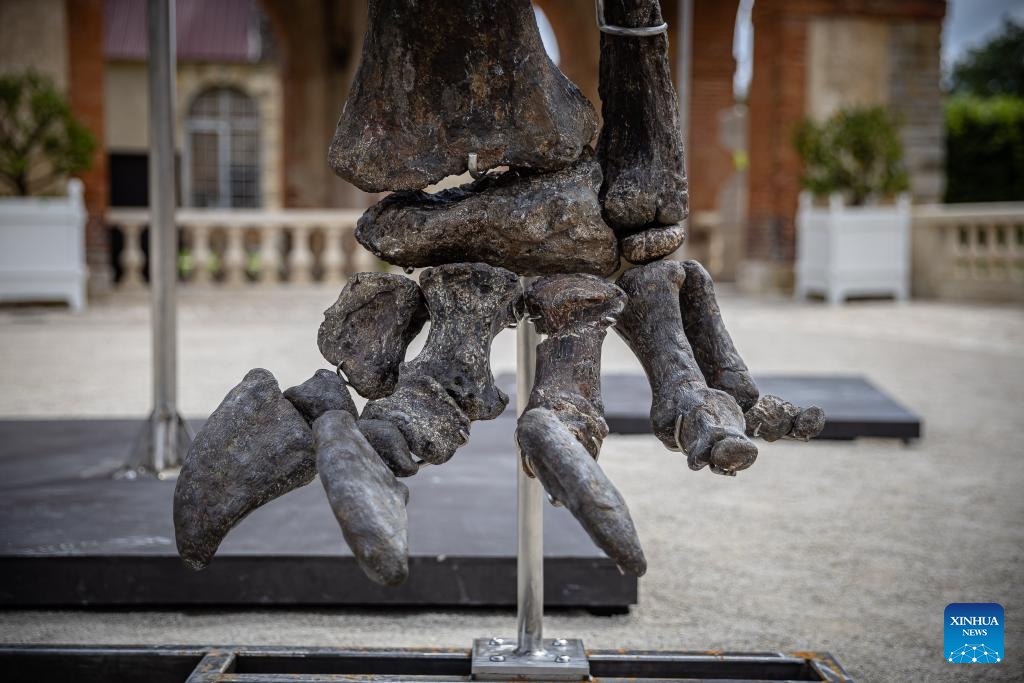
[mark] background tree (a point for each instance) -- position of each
(995, 68)
(985, 121)
(41, 141)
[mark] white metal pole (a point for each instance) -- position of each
(529, 511)
(163, 238)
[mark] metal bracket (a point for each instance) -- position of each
(629, 31)
(561, 660)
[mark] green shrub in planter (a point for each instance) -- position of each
(856, 153)
(41, 142)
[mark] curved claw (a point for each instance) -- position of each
(571, 476)
(367, 500)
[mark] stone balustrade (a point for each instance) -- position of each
(241, 247)
(969, 251)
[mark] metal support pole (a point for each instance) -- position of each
(684, 76)
(530, 657)
(529, 512)
(166, 436)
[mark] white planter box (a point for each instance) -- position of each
(844, 251)
(42, 248)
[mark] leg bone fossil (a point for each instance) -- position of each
(439, 80)
(640, 147)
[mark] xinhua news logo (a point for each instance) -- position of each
(974, 633)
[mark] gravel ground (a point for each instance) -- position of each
(854, 548)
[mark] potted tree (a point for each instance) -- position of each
(853, 222)
(42, 214)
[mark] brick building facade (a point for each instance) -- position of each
(810, 57)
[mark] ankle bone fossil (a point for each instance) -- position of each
(440, 80)
(561, 431)
(367, 500)
(527, 222)
(640, 149)
(652, 244)
(255, 447)
(450, 382)
(369, 327)
(706, 424)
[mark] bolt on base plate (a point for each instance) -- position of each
(563, 659)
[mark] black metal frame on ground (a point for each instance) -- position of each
(194, 664)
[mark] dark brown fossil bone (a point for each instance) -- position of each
(367, 500)
(439, 80)
(574, 311)
(773, 418)
(255, 447)
(390, 446)
(640, 147)
(450, 382)
(570, 475)
(367, 330)
(707, 424)
(561, 431)
(716, 355)
(527, 222)
(322, 392)
(652, 244)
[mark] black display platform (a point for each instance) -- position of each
(854, 407)
(71, 535)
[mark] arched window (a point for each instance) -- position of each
(222, 161)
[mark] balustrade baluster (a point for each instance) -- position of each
(270, 254)
(334, 254)
(235, 257)
(132, 258)
(301, 258)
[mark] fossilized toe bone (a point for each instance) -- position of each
(707, 424)
(716, 356)
(322, 392)
(640, 148)
(574, 311)
(367, 500)
(527, 222)
(561, 431)
(439, 80)
(450, 382)
(772, 418)
(390, 446)
(255, 447)
(569, 474)
(369, 327)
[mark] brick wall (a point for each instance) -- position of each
(711, 91)
(85, 92)
(778, 100)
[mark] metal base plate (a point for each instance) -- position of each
(563, 659)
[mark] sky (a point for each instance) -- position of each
(969, 23)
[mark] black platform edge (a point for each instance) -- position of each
(854, 406)
(260, 581)
(221, 664)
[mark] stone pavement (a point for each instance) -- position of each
(855, 548)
